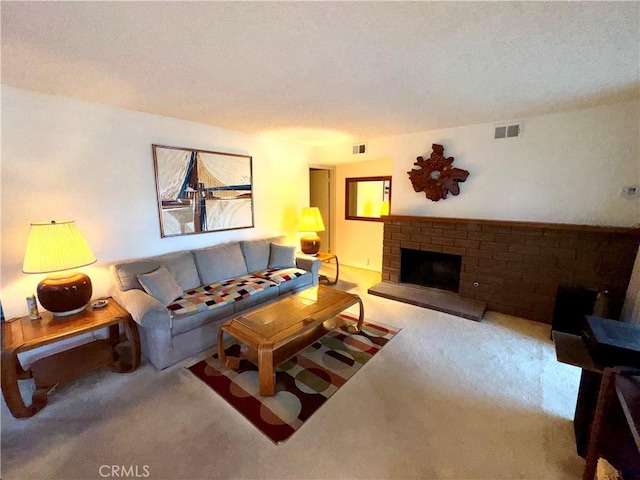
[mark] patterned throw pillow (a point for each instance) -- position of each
(282, 256)
(161, 285)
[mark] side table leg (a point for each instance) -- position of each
(325, 278)
(11, 371)
(133, 336)
(266, 370)
(114, 335)
(125, 365)
(114, 338)
(358, 327)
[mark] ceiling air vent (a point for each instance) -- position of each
(359, 149)
(508, 131)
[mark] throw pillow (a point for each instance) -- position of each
(161, 285)
(282, 256)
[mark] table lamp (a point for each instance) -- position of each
(310, 223)
(56, 248)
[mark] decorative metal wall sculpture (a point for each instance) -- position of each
(436, 176)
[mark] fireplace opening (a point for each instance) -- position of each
(430, 269)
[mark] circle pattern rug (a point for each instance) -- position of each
(303, 383)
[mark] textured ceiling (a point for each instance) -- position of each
(320, 72)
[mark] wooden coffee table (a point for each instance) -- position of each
(273, 334)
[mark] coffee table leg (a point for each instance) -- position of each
(358, 327)
(266, 370)
(232, 363)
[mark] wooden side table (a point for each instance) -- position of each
(327, 257)
(22, 334)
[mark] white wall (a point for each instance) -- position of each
(566, 168)
(68, 159)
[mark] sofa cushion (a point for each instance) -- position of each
(185, 323)
(126, 274)
(256, 252)
(243, 287)
(282, 256)
(215, 295)
(198, 300)
(220, 263)
(180, 265)
(256, 299)
(183, 268)
(288, 279)
(303, 281)
(161, 285)
(280, 275)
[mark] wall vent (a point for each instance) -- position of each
(359, 149)
(508, 131)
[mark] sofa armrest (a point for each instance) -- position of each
(310, 264)
(144, 309)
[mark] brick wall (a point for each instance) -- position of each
(519, 266)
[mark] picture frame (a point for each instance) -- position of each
(202, 191)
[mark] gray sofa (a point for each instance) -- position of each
(211, 285)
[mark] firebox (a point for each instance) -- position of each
(430, 269)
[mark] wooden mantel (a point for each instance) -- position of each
(517, 224)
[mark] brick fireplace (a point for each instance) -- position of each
(516, 267)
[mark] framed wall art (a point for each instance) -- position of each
(201, 191)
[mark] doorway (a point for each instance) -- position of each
(320, 196)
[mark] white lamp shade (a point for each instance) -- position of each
(56, 246)
(311, 220)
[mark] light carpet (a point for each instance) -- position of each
(448, 399)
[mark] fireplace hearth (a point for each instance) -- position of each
(430, 269)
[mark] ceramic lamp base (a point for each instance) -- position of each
(310, 244)
(66, 295)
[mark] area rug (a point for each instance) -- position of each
(303, 384)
